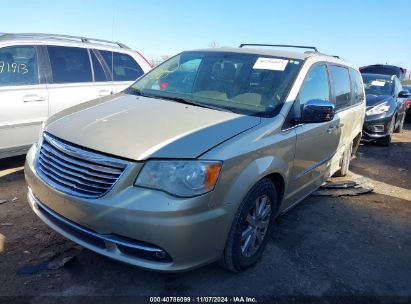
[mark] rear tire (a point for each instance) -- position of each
(345, 163)
(251, 227)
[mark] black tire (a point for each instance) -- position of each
(234, 258)
(385, 141)
(345, 162)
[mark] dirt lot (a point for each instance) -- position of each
(326, 246)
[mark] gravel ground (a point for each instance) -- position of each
(326, 246)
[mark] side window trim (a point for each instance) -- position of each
(103, 64)
(91, 65)
(44, 64)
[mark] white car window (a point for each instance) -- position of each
(18, 66)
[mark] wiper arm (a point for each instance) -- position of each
(191, 102)
(135, 91)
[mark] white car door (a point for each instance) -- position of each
(74, 80)
(23, 100)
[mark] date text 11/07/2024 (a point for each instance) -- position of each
(203, 300)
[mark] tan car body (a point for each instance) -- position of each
(193, 231)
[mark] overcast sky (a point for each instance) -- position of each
(363, 32)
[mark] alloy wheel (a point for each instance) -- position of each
(256, 226)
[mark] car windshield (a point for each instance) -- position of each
(248, 84)
(377, 85)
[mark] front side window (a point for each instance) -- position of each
(18, 66)
(70, 64)
(341, 85)
(249, 84)
(316, 86)
(123, 66)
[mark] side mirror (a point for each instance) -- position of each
(404, 94)
(317, 110)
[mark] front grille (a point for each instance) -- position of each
(77, 171)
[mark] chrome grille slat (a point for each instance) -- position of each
(72, 173)
(77, 171)
(49, 148)
(69, 185)
(61, 162)
(76, 181)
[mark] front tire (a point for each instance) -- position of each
(386, 141)
(251, 227)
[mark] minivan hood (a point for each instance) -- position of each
(374, 100)
(138, 128)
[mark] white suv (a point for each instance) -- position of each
(41, 74)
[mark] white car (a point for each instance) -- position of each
(42, 74)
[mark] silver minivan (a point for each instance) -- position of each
(41, 74)
(194, 161)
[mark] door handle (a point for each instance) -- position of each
(104, 93)
(33, 97)
(334, 128)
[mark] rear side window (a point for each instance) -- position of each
(70, 64)
(357, 86)
(341, 85)
(124, 67)
(316, 86)
(99, 74)
(18, 66)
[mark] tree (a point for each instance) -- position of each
(214, 44)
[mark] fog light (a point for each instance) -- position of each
(378, 128)
(160, 254)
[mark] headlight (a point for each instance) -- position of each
(380, 109)
(180, 178)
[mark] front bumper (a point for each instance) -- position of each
(376, 127)
(142, 227)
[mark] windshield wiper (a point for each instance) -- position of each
(191, 102)
(135, 91)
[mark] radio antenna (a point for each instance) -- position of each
(112, 52)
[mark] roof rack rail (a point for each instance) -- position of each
(280, 45)
(82, 39)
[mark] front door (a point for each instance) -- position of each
(316, 142)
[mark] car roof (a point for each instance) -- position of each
(268, 52)
(277, 53)
(60, 39)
